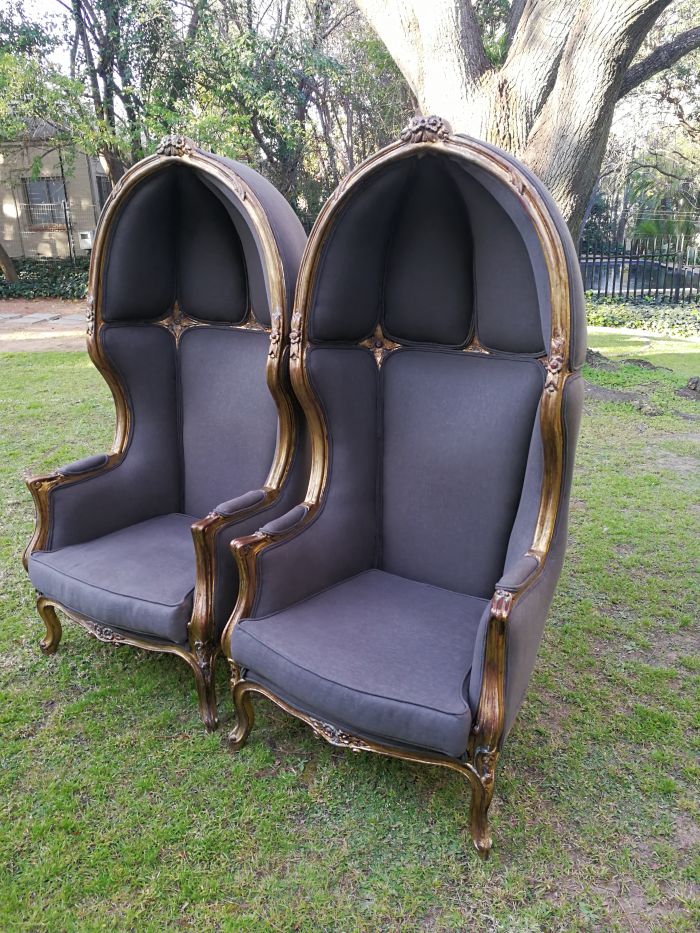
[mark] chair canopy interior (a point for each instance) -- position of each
(428, 453)
(201, 406)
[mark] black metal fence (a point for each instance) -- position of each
(659, 269)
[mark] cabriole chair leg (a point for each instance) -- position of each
(47, 612)
(479, 821)
(203, 668)
(245, 716)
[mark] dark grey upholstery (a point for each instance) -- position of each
(203, 421)
(349, 650)
(434, 461)
(138, 579)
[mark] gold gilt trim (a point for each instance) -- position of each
(203, 645)
(474, 346)
(380, 345)
(423, 136)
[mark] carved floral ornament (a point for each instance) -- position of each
(275, 334)
(175, 144)
(90, 315)
(295, 336)
(425, 130)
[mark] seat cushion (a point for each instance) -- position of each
(139, 579)
(380, 655)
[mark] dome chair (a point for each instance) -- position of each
(191, 279)
(436, 341)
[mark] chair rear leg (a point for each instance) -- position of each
(47, 613)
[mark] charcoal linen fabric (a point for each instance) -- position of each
(435, 460)
(203, 422)
(380, 653)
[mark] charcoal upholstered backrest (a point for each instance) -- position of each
(433, 268)
(180, 250)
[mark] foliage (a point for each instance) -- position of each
(683, 320)
(120, 813)
(33, 91)
(47, 278)
(301, 90)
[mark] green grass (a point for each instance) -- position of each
(120, 813)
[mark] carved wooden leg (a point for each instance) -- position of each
(478, 819)
(46, 610)
(244, 715)
(203, 666)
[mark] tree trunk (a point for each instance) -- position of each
(552, 100)
(7, 265)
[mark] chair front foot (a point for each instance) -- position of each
(47, 613)
(245, 718)
(203, 665)
(479, 821)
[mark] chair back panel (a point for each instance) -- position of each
(174, 241)
(211, 271)
(229, 418)
(428, 289)
(456, 431)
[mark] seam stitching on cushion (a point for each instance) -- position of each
(379, 696)
(104, 589)
(127, 631)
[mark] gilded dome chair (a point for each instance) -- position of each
(436, 341)
(191, 281)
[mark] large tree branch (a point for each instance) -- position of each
(437, 46)
(540, 30)
(660, 59)
(568, 139)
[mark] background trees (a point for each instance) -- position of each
(541, 78)
(304, 89)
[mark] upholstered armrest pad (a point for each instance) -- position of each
(86, 465)
(518, 573)
(246, 501)
(287, 521)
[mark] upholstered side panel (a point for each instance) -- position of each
(428, 290)
(456, 431)
(528, 617)
(140, 264)
(147, 481)
(229, 419)
(347, 297)
(211, 271)
(341, 540)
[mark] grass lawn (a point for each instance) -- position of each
(120, 813)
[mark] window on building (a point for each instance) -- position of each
(45, 197)
(103, 189)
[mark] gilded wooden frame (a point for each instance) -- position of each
(479, 762)
(203, 645)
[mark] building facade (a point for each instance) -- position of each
(50, 200)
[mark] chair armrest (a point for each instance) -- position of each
(215, 577)
(44, 489)
(258, 568)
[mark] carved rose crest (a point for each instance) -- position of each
(425, 130)
(174, 144)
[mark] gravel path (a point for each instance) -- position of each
(41, 324)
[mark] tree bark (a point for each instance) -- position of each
(7, 265)
(551, 103)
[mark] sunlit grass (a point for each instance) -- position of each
(119, 813)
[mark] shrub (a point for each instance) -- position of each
(47, 278)
(680, 320)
